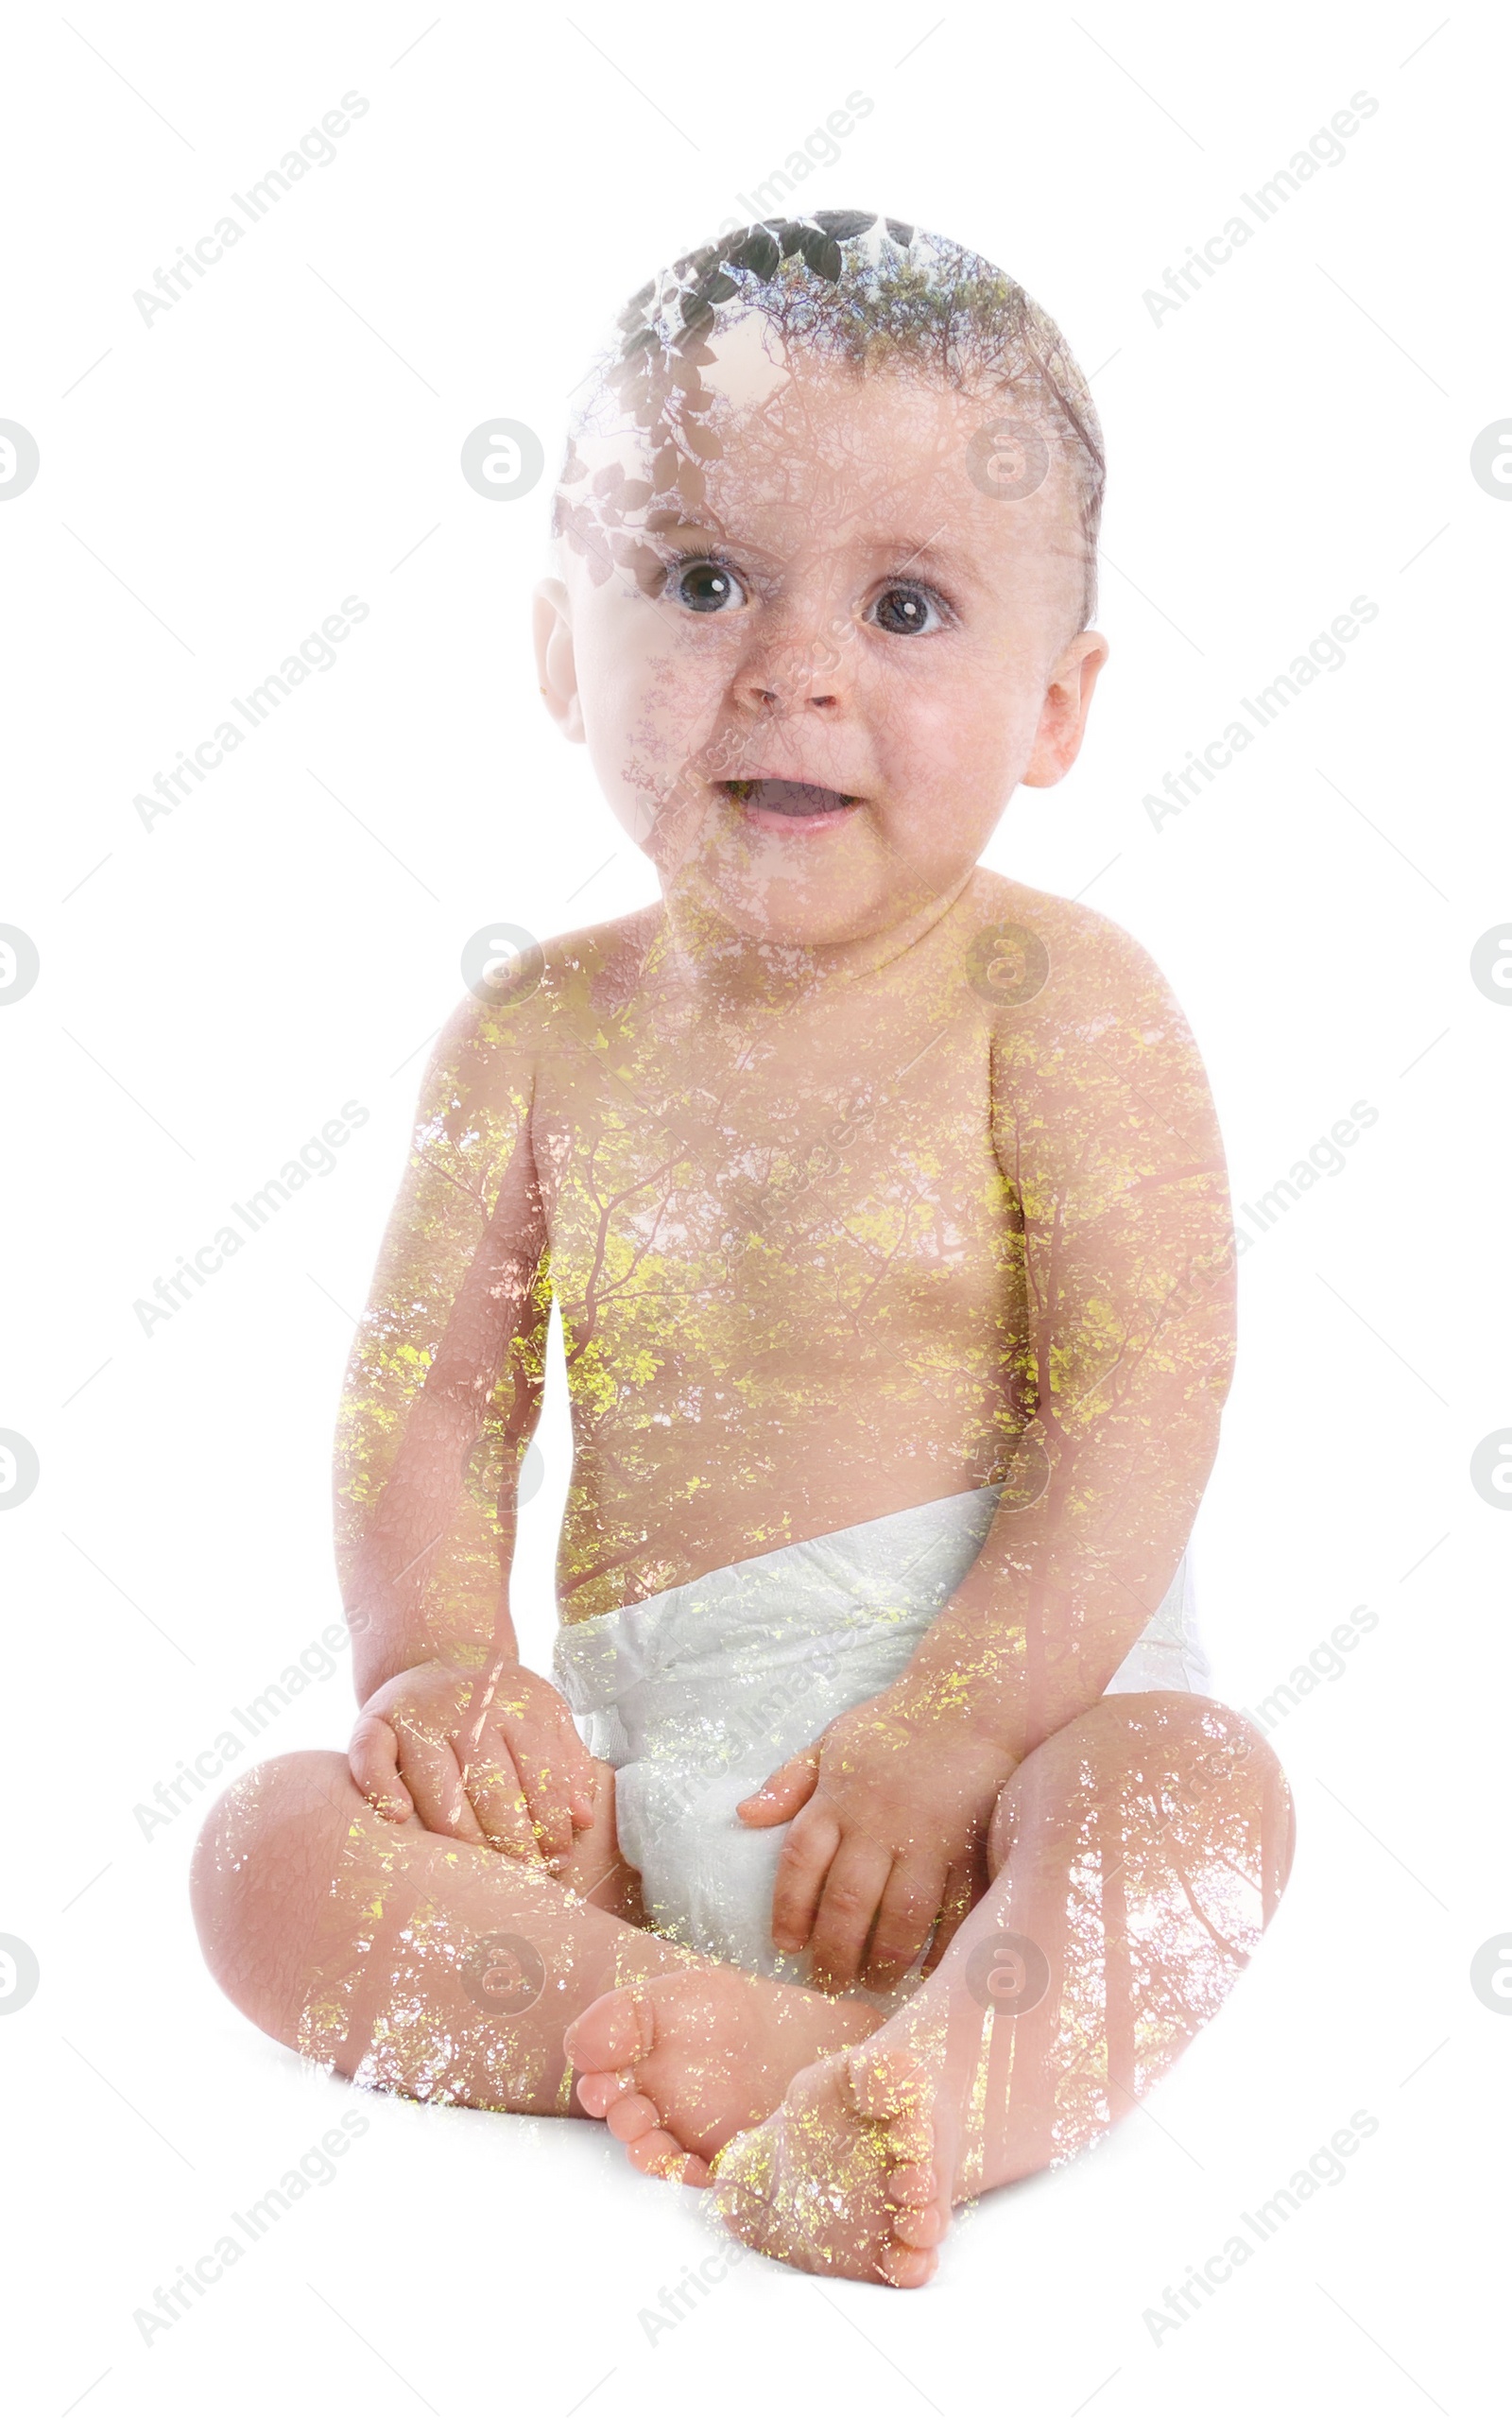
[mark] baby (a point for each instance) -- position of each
(876, 1843)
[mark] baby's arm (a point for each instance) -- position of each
(442, 1389)
(1118, 1200)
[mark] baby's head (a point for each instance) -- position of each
(826, 538)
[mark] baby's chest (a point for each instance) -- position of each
(853, 1194)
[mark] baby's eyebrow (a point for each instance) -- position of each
(953, 558)
(899, 552)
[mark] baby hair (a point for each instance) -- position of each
(849, 289)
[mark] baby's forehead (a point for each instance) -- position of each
(792, 447)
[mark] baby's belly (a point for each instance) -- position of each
(789, 1452)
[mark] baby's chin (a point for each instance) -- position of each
(829, 892)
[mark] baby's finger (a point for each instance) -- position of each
(857, 1878)
(807, 1847)
(784, 1791)
(573, 1777)
(539, 1774)
(487, 1775)
(373, 1758)
(961, 1892)
(428, 1766)
(909, 1908)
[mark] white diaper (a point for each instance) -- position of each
(694, 1697)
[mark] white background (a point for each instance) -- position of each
(212, 989)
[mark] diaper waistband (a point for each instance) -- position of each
(877, 1580)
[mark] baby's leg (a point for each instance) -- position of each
(1137, 1856)
(414, 1962)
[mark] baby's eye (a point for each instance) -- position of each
(703, 584)
(906, 609)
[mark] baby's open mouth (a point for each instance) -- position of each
(788, 796)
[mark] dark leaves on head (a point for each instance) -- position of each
(638, 339)
(900, 231)
(841, 225)
(759, 253)
(698, 316)
(792, 238)
(822, 253)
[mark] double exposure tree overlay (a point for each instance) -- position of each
(954, 1240)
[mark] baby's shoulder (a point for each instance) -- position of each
(1049, 962)
(1090, 1047)
(530, 999)
(527, 1001)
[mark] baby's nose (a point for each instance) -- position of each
(795, 673)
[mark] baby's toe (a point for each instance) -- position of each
(921, 2227)
(658, 2154)
(629, 2117)
(906, 2269)
(612, 2033)
(598, 2090)
(913, 2185)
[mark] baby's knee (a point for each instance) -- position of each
(264, 1869)
(1174, 1752)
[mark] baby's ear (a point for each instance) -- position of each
(1063, 717)
(554, 663)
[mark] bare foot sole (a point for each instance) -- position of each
(845, 2178)
(677, 2066)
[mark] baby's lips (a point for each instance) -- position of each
(792, 796)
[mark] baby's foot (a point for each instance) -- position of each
(848, 2176)
(678, 2064)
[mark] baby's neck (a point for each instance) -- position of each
(700, 954)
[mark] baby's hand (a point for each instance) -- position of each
(890, 1809)
(490, 1757)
